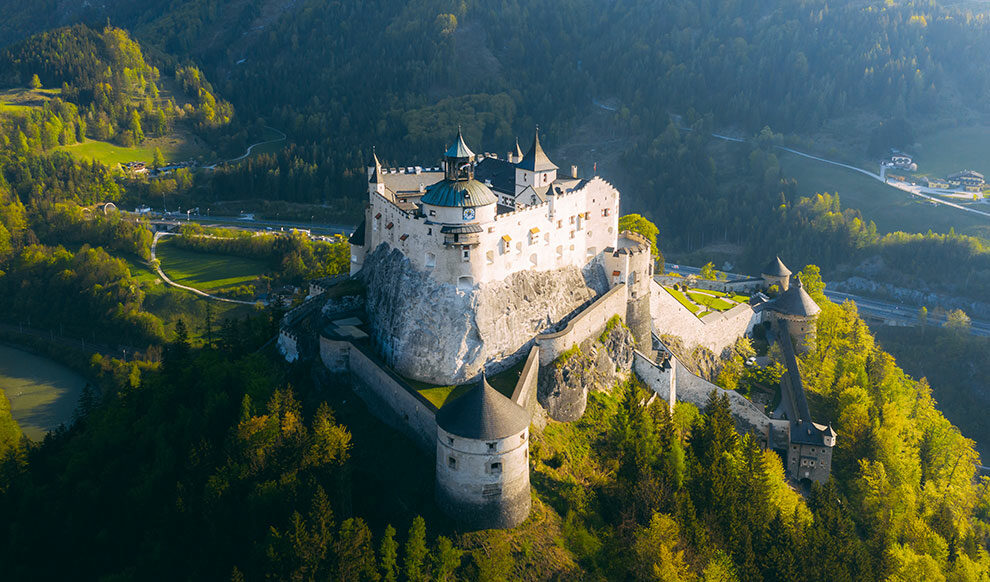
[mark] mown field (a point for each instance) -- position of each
(889, 208)
(954, 149)
(22, 99)
(179, 146)
(207, 271)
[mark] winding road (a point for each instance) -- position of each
(251, 148)
(158, 267)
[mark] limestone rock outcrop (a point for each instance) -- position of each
(437, 333)
(597, 364)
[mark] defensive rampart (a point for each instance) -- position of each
(387, 395)
(715, 331)
(525, 392)
(588, 323)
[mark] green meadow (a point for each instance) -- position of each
(178, 146)
(207, 271)
(891, 209)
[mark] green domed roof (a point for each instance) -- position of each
(459, 193)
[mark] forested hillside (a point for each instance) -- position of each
(106, 91)
(248, 474)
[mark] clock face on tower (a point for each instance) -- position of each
(469, 214)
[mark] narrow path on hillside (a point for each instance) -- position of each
(161, 273)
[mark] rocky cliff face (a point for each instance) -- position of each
(436, 333)
(597, 364)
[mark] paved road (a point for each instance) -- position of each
(888, 311)
(161, 273)
(250, 149)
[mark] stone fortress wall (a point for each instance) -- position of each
(568, 229)
(387, 395)
(525, 392)
(716, 331)
(588, 323)
(673, 381)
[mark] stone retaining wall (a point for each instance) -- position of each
(525, 392)
(588, 323)
(715, 332)
(387, 395)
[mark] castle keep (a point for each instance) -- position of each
(485, 264)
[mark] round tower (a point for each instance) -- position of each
(776, 273)
(798, 314)
(482, 465)
(460, 205)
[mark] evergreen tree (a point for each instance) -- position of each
(388, 555)
(35, 82)
(416, 554)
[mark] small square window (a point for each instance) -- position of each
(491, 447)
(496, 468)
(450, 440)
(452, 462)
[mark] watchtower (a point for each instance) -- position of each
(483, 459)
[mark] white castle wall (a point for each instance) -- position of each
(288, 345)
(715, 332)
(385, 393)
(571, 227)
(525, 392)
(588, 323)
(662, 380)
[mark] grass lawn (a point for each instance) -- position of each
(22, 99)
(954, 149)
(889, 208)
(178, 146)
(504, 382)
(683, 300)
(140, 269)
(42, 393)
(709, 301)
(207, 271)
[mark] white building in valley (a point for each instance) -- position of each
(479, 218)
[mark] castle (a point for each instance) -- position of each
(486, 263)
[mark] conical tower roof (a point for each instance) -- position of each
(482, 414)
(796, 301)
(376, 177)
(459, 149)
(776, 268)
(536, 159)
(518, 152)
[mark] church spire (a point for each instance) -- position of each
(518, 153)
